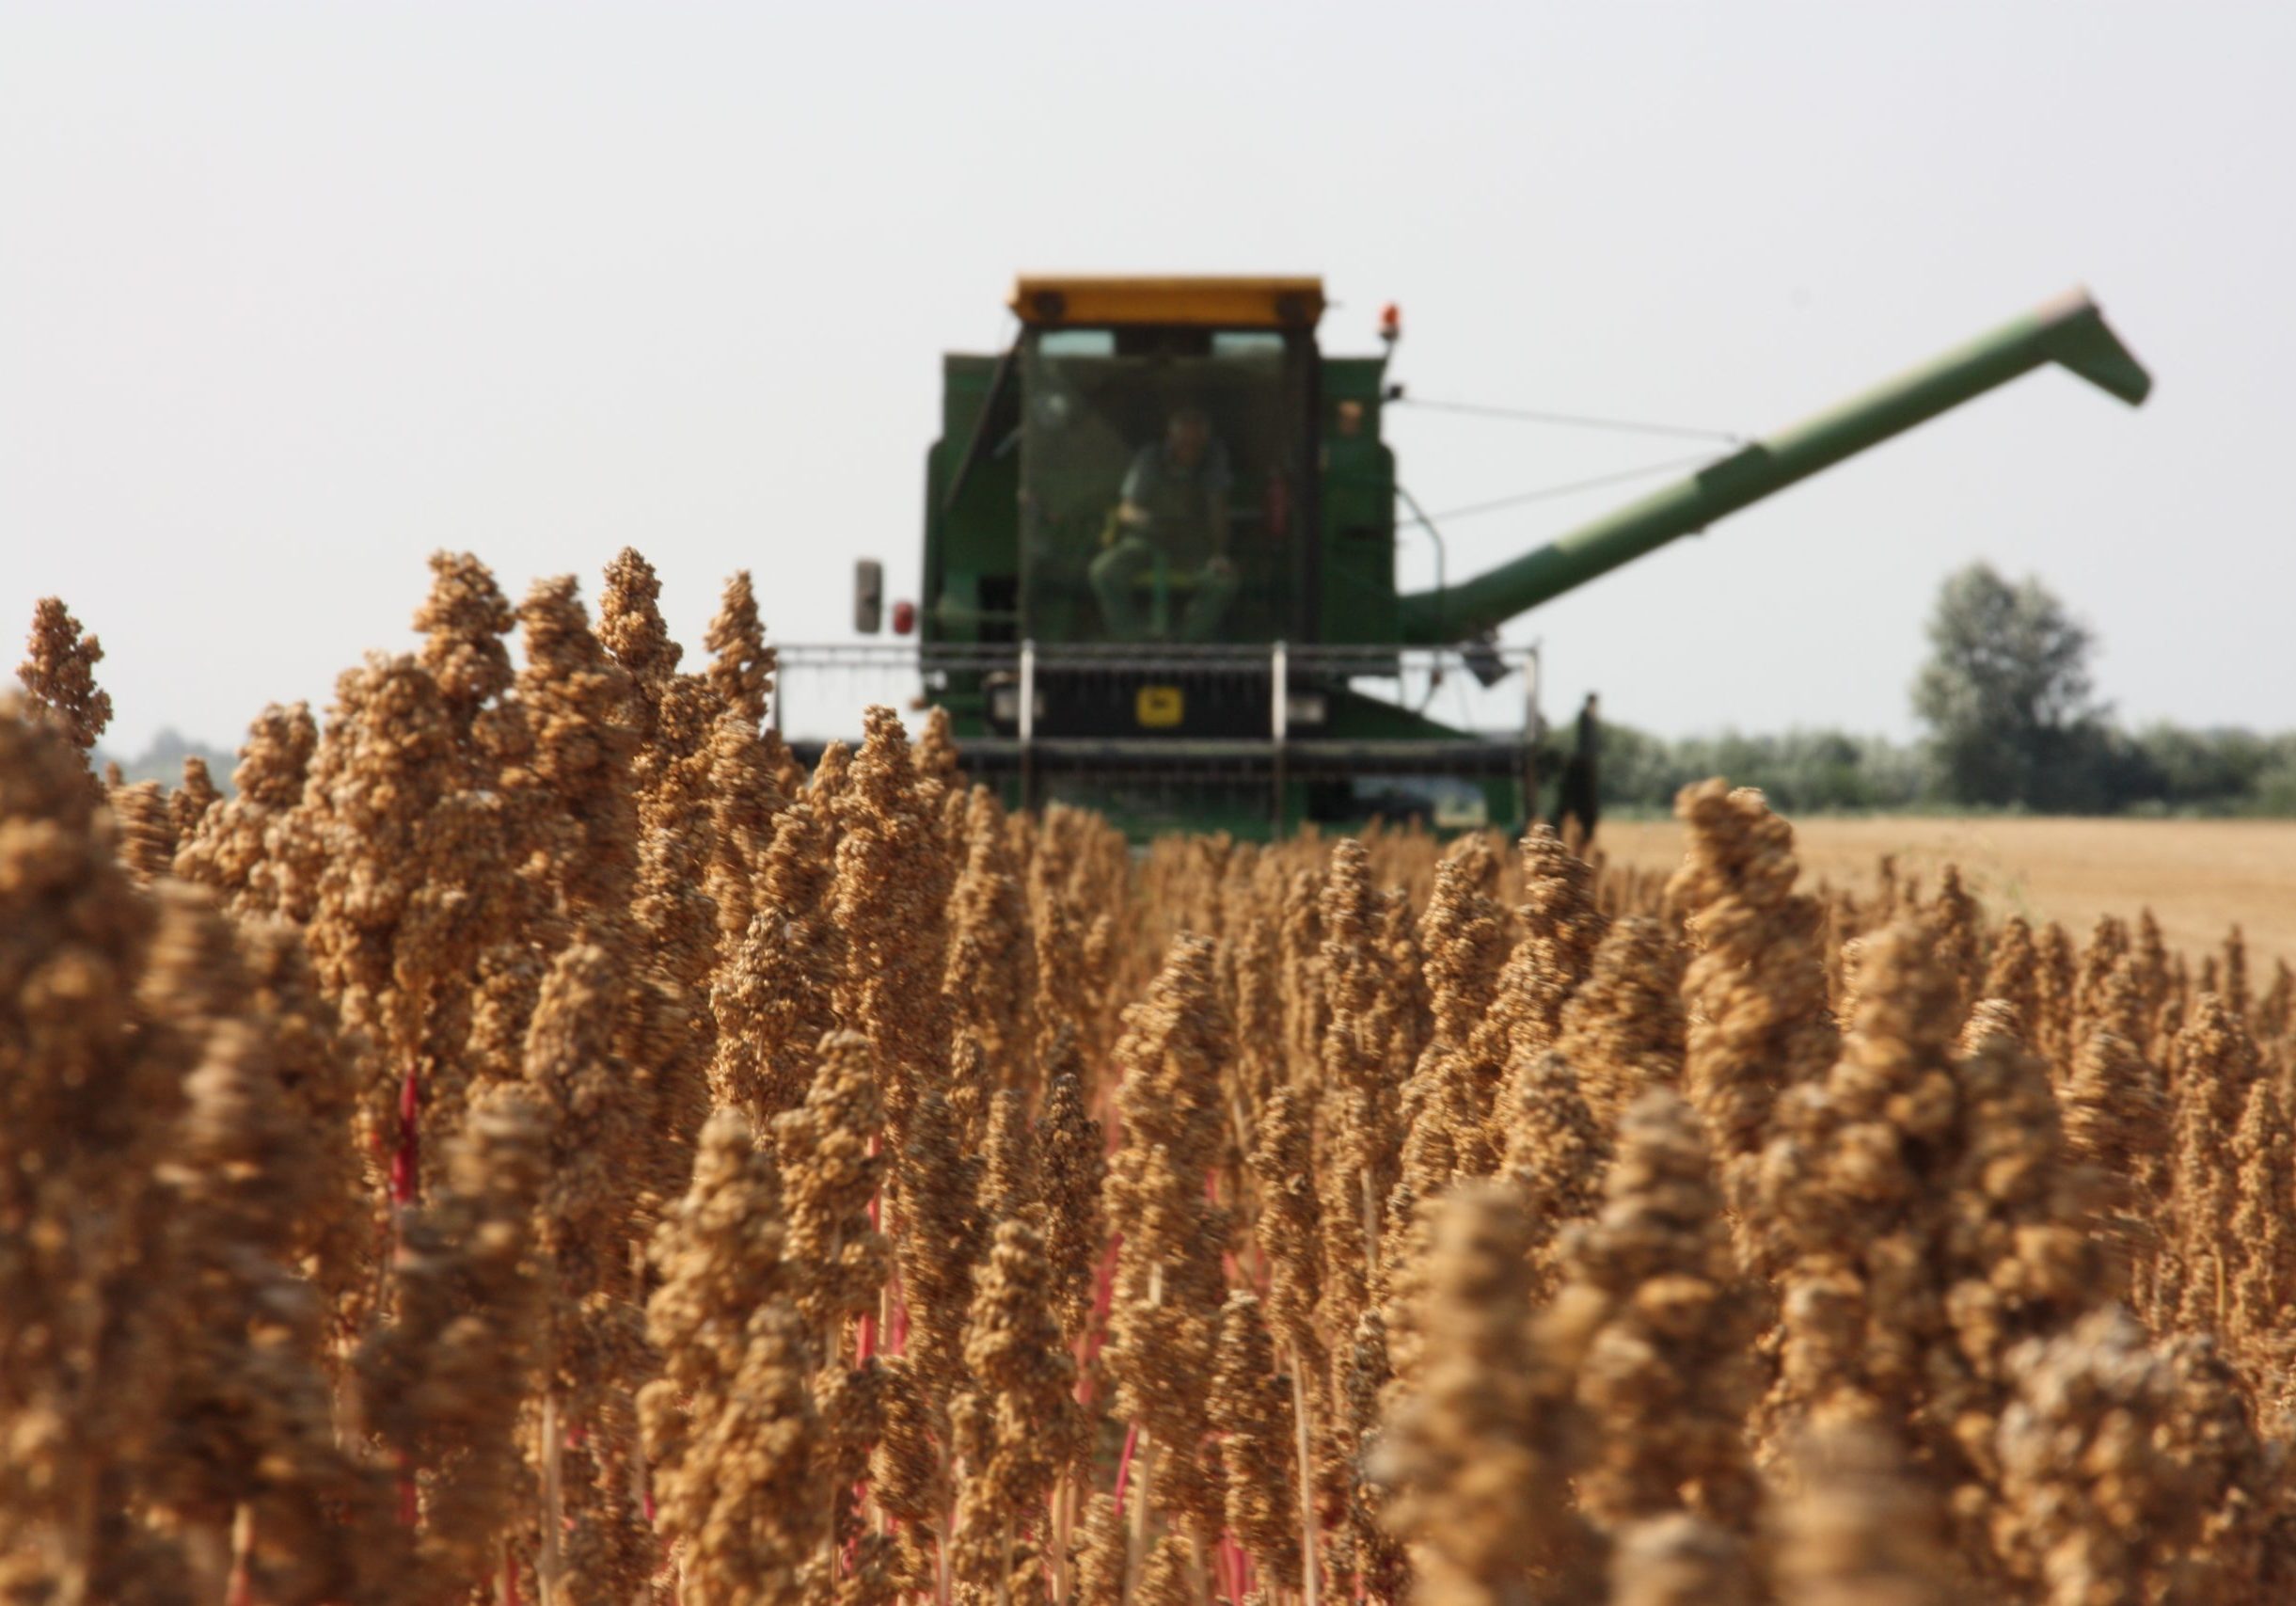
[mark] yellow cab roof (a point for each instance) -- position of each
(1054, 300)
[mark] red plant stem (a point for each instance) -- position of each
(1104, 1288)
(1237, 1567)
(1082, 1352)
(406, 1159)
(1124, 1464)
(239, 1588)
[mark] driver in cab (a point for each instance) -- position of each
(1172, 515)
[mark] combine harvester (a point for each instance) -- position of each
(1160, 540)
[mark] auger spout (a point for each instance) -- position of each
(2069, 330)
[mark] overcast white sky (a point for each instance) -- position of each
(292, 294)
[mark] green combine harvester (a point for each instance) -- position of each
(1160, 544)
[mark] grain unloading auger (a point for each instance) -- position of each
(2069, 331)
(1160, 557)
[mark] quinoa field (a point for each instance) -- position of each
(533, 1141)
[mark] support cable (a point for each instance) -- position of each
(1545, 493)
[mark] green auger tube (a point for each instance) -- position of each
(2069, 330)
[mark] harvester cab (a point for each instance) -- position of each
(1159, 565)
(1159, 548)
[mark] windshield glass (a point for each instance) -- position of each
(1161, 485)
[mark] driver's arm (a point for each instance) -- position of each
(1132, 497)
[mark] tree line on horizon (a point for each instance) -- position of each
(2011, 721)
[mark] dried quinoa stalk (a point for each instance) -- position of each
(443, 1383)
(87, 1102)
(246, 1431)
(2218, 1067)
(629, 620)
(941, 1243)
(1446, 1107)
(2116, 1115)
(1681, 1560)
(1406, 1015)
(991, 959)
(1665, 1378)
(745, 799)
(400, 865)
(1010, 1186)
(58, 674)
(2263, 1238)
(1252, 946)
(740, 663)
(1251, 1410)
(1859, 1530)
(1099, 1554)
(1556, 1151)
(576, 784)
(1305, 997)
(321, 1077)
(890, 912)
(1624, 1028)
(1478, 1457)
(2237, 1486)
(2094, 1506)
(1930, 1219)
(773, 997)
(1960, 938)
(146, 838)
(189, 804)
(1062, 987)
(1170, 1281)
(672, 1030)
(598, 1110)
(1282, 1163)
(1357, 1138)
(1073, 1150)
(731, 1428)
(1562, 925)
(1755, 988)
(231, 848)
(2059, 972)
(464, 620)
(2013, 975)
(830, 1172)
(1017, 1438)
(908, 1475)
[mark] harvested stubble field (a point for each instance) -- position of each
(534, 1142)
(2198, 877)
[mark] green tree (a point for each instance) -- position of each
(2012, 711)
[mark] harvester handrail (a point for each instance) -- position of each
(1367, 659)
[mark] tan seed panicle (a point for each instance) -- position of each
(58, 674)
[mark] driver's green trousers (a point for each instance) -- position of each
(1135, 582)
